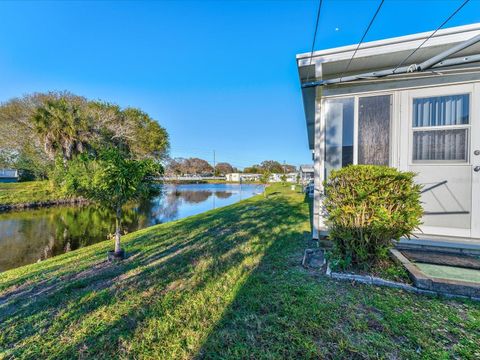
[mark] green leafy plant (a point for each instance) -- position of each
(264, 179)
(369, 208)
(111, 179)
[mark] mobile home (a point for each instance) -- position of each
(404, 103)
(8, 175)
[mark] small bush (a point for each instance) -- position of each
(369, 207)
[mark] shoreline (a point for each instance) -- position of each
(41, 204)
(73, 201)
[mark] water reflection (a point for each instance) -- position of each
(32, 235)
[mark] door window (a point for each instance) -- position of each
(441, 129)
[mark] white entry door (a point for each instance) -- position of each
(443, 144)
(475, 156)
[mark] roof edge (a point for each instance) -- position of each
(390, 41)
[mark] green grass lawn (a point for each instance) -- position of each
(27, 192)
(223, 284)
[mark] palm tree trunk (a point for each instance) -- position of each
(118, 229)
(64, 159)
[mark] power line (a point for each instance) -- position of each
(363, 37)
(430, 36)
(315, 34)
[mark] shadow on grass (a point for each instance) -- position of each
(161, 301)
(223, 284)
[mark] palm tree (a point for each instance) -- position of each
(112, 180)
(62, 126)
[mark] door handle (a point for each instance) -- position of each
(476, 168)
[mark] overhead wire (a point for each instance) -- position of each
(431, 35)
(315, 34)
(363, 37)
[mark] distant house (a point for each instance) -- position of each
(292, 177)
(306, 173)
(277, 177)
(233, 177)
(274, 178)
(8, 175)
(238, 177)
(416, 113)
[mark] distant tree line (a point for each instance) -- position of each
(270, 166)
(196, 166)
(200, 167)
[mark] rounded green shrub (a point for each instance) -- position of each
(369, 208)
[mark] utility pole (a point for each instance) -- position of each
(214, 164)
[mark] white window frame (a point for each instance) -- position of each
(391, 156)
(447, 90)
(393, 144)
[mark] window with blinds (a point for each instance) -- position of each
(441, 128)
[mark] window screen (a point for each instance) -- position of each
(374, 130)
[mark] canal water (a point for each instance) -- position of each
(29, 236)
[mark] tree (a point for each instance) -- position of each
(264, 179)
(130, 128)
(254, 169)
(271, 166)
(112, 179)
(224, 168)
(189, 166)
(63, 127)
(197, 166)
(283, 179)
(175, 167)
(290, 168)
(18, 133)
(40, 127)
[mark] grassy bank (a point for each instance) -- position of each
(27, 192)
(223, 284)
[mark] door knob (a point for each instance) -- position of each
(476, 168)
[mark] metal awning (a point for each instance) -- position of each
(436, 62)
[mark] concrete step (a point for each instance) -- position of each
(451, 245)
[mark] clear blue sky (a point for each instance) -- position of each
(218, 75)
